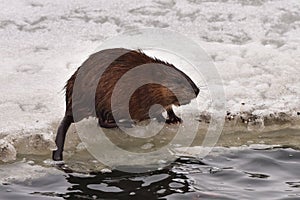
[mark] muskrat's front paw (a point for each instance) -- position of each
(174, 120)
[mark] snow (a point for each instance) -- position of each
(23, 171)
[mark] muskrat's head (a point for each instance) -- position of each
(178, 88)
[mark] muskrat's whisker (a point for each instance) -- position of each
(204, 92)
(203, 95)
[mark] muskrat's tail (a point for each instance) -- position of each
(60, 137)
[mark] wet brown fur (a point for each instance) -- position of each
(142, 99)
(140, 102)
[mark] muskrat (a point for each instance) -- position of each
(99, 75)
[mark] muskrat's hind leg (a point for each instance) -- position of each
(60, 137)
(172, 118)
(107, 123)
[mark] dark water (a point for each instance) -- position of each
(241, 174)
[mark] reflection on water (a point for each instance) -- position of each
(271, 173)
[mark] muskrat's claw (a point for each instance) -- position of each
(106, 123)
(174, 120)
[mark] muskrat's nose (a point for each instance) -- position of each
(196, 89)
